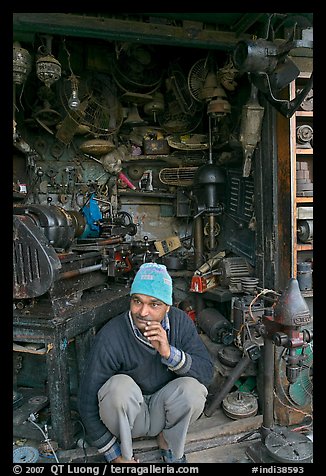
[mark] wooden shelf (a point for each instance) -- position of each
(304, 199)
(304, 113)
(304, 247)
(305, 151)
(299, 154)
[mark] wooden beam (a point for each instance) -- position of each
(190, 34)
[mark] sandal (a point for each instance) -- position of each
(168, 457)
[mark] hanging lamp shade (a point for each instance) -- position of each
(22, 63)
(48, 68)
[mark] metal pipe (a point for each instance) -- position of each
(76, 272)
(268, 410)
(211, 236)
(137, 202)
(232, 378)
(210, 151)
(199, 242)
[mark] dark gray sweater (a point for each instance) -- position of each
(117, 350)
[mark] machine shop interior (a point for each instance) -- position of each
(159, 138)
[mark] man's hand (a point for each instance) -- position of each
(121, 460)
(158, 338)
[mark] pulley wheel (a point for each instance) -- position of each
(25, 454)
(288, 446)
(229, 355)
(238, 405)
(38, 399)
(305, 230)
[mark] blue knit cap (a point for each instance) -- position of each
(153, 280)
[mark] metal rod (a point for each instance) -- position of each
(199, 241)
(211, 236)
(210, 156)
(76, 272)
(268, 410)
(232, 378)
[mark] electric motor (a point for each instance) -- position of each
(216, 326)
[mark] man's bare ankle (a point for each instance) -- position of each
(162, 444)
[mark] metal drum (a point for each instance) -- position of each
(304, 275)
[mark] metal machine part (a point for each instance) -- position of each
(304, 186)
(282, 445)
(271, 69)
(65, 261)
(216, 326)
(249, 284)
(282, 326)
(308, 103)
(304, 275)
(47, 447)
(304, 212)
(236, 373)
(210, 265)
(292, 310)
(229, 355)
(32, 278)
(250, 131)
(120, 224)
(288, 446)
(238, 405)
(179, 176)
(305, 230)
(209, 180)
(232, 270)
(25, 454)
(245, 321)
(305, 135)
(58, 276)
(59, 226)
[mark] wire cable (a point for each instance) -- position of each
(46, 438)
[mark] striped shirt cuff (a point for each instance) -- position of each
(175, 358)
(113, 452)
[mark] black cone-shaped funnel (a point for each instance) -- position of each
(292, 309)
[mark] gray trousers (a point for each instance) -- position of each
(128, 414)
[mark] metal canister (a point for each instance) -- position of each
(216, 326)
(304, 275)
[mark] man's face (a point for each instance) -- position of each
(145, 309)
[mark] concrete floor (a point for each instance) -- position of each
(210, 440)
(215, 439)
